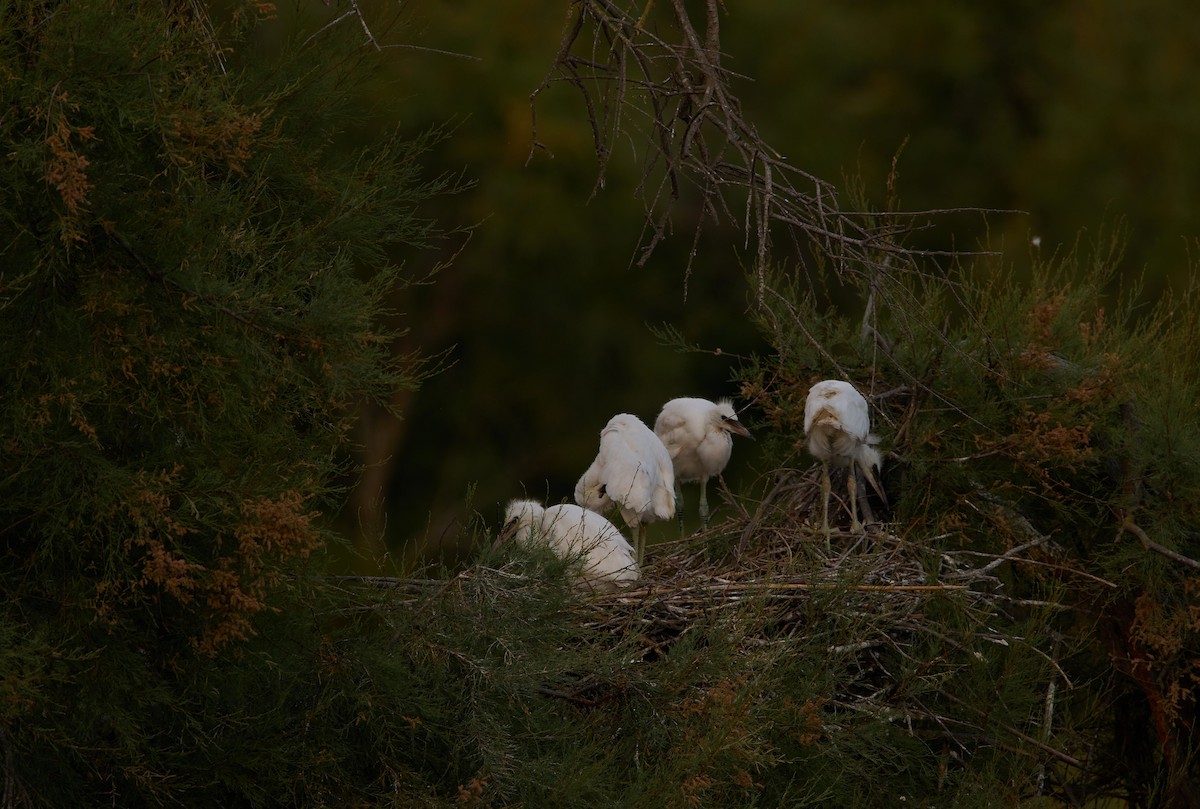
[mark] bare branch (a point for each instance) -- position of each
(1150, 545)
(676, 97)
(356, 12)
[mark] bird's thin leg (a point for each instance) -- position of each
(825, 502)
(639, 543)
(679, 506)
(704, 501)
(852, 490)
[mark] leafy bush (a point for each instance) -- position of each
(193, 263)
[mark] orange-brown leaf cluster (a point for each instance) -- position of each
(1054, 443)
(1097, 388)
(227, 140)
(1045, 314)
(224, 583)
(1169, 637)
(1090, 332)
(272, 531)
(1040, 443)
(66, 169)
(171, 573)
(1041, 348)
(722, 697)
(75, 412)
(472, 793)
(691, 789)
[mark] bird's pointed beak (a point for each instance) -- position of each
(869, 473)
(506, 533)
(735, 426)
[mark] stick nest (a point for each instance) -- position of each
(764, 575)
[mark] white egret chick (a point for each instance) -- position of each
(633, 471)
(838, 427)
(605, 556)
(699, 436)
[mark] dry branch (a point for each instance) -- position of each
(673, 93)
(1150, 545)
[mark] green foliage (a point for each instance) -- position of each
(520, 693)
(1030, 422)
(192, 281)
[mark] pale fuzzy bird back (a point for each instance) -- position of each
(693, 431)
(632, 469)
(838, 425)
(606, 556)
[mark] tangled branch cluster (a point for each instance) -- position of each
(675, 95)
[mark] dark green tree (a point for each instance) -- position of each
(196, 234)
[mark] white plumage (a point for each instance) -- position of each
(838, 426)
(633, 471)
(697, 434)
(606, 557)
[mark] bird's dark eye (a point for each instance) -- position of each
(604, 490)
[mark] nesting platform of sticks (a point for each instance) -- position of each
(767, 571)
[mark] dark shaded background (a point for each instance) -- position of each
(1085, 116)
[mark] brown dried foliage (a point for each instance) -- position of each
(68, 400)
(1039, 445)
(272, 531)
(229, 140)
(1167, 634)
(66, 167)
(472, 794)
(226, 582)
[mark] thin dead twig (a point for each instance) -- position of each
(678, 91)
